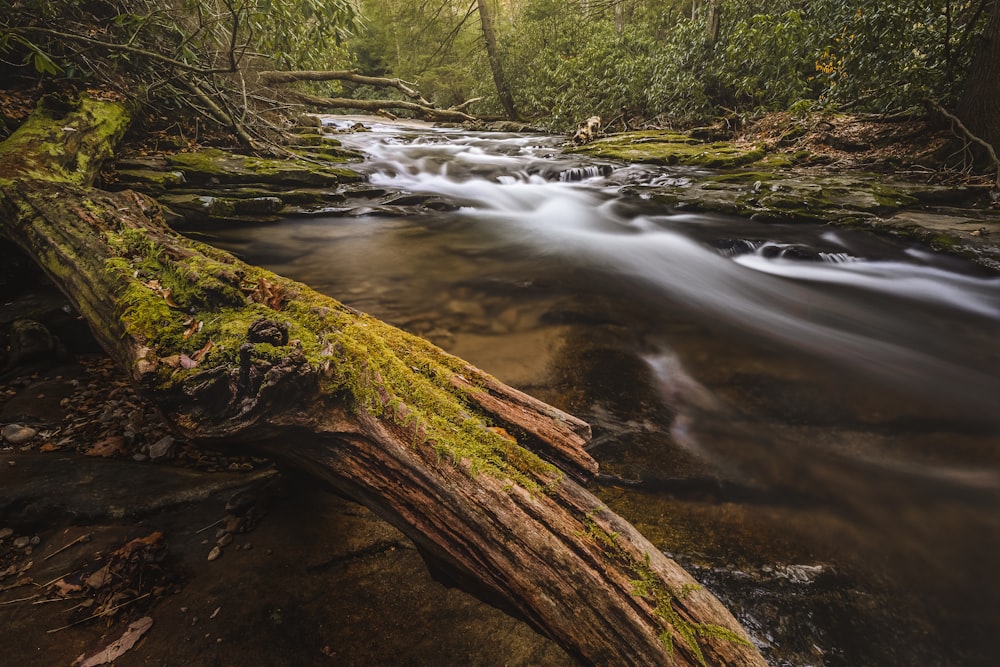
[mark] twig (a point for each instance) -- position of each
(46, 585)
(30, 597)
(78, 597)
(98, 614)
(82, 538)
(211, 525)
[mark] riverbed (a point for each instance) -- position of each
(806, 417)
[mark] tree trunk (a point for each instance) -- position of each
(979, 107)
(493, 53)
(712, 22)
(236, 355)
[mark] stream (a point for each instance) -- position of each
(805, 417)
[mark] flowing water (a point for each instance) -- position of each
(806, 417)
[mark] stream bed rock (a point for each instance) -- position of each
(747, 180)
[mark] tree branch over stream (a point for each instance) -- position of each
(484, 479)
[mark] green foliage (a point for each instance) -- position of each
(434, 45)
(131, 37)
(652, 60)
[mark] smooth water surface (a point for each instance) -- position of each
(806, 417)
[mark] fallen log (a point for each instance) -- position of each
(464, 465)
(272, 77)
(374, 106)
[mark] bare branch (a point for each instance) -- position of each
(375, 106)
(280, 77)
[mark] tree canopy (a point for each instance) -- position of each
(550, 61)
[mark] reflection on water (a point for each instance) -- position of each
(806, 417)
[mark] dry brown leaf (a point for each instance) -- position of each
(173, 361)
(193, 327)
(99, 579)
(200, 354)
(166, 294)
(64, 588)
(107, 447)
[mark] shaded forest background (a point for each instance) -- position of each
(551, 62)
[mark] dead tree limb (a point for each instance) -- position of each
(235, 354)
(374, 106)
(274, 77)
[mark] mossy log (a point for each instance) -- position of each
(484, 479)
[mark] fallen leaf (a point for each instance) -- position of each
(107, 447)
(119, 647)
(99, 579)
(64, 588)
(200, 354)
(173, 361)
(192, 327)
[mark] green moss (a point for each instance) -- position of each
(372, 366)
(742, 177)
(670, 148)
(69, 148)
(152, 178)
(214, 165)
(646, 584)
(891, 197)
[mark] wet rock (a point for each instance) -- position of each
(22, 542)
(5, 533)
(215, 553)
(29, 341)
(18, 434)
(162, 448)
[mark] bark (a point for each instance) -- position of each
(979, 107)
(488, 23)
(235, 354)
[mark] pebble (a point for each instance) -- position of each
(18, 434)
(162, 448)
(5, 533)
(225, 540)
(22, 542)
(214, 553)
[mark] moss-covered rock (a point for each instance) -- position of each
(671, 148)
(214, 166)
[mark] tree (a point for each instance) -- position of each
(488, 23)
(979, 106)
